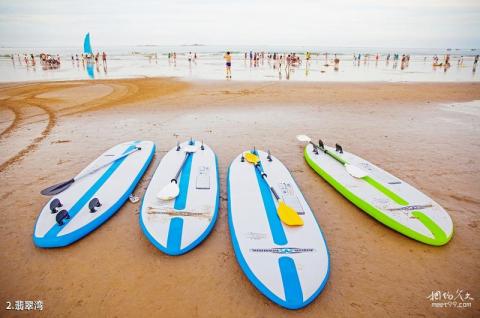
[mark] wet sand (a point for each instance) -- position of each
(49, 131)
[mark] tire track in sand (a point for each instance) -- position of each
(51, 121)
(123, 92)
(13, 123)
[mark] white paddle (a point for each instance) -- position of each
(171, 190)
(352, 170)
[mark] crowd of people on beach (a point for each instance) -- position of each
(89, 58)
(191, 57)
(284, 62)
(48, 61)
(290, 61)
(53, 61)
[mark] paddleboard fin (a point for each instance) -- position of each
(320, 144)
(62, 215)
(338, 148)
(93, 204)
(54, 205)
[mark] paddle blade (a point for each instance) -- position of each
(355, 171)
(303, 138)
(169, 192)
(288, 215)
(252, 158)
(57, 188)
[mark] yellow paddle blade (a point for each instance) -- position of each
(252, 158)
(288, 215)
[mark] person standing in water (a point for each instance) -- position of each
(228, 64)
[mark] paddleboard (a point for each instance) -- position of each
(289, 265)
(385, 197)
(110, 185)
(177, 226)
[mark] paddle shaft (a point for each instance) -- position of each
(328, 153)
(264, 177)
(181, 167)
(105, 164)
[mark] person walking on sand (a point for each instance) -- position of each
(104, 57)
(475, 62)
(228, 64)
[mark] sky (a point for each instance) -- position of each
(339, 23)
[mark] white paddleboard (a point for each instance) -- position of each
(111, 185)
(289, 265)
(385, 197)
(177, 226)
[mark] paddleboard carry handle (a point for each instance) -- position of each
(54, 205)
(93, 204)
(62, 215)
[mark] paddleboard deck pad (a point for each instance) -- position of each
(385, 197)
(289, 265)
(110, 186)
(177, 226)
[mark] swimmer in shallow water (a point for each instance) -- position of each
(228, 64)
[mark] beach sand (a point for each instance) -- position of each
(50, 131)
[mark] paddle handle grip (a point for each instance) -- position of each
(105, 164)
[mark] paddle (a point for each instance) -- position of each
(354, 171)
(62, 186)
(171, 190)
(286, 213)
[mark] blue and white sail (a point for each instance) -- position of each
(87, 48)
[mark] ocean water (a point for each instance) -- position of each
(152, 61)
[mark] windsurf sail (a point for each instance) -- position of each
(87, 48)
